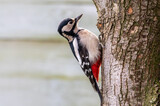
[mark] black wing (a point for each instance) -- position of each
(86, 67)
(81, 54)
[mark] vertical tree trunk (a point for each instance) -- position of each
(130, 32)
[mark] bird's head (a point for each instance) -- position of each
(69, 27)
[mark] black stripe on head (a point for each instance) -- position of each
(63, 23)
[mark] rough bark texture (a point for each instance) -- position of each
(130, 31)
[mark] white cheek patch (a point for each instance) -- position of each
(75, 44)
(67, 28)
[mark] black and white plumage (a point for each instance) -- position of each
(85, 47)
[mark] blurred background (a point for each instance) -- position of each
(37, 67)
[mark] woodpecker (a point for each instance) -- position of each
(85, 47)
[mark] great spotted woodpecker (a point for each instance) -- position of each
(85, 47)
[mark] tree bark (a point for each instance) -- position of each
(130, 31)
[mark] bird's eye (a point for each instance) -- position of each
(70, 22)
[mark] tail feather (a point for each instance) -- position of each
(96, 87)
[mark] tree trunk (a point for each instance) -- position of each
(130, 31)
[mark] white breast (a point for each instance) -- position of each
(91, 42)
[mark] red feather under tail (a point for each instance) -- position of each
(95, 69)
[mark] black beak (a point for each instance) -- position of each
(79, 17)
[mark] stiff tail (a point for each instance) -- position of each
(99, 92)
(96, 87)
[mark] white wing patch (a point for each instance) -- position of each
(75, 44)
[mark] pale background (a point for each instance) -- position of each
(37, 67)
